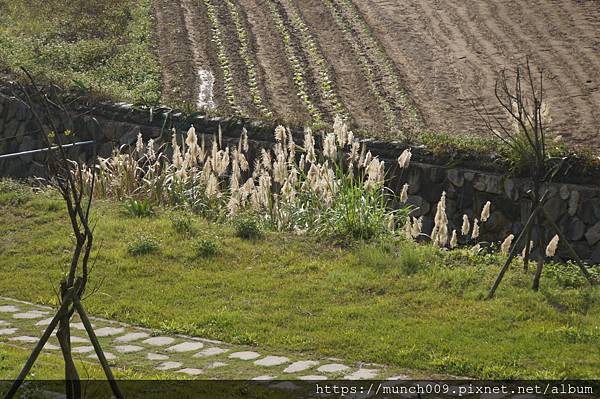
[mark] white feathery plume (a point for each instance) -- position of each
(466, 226)
(454, 239)
(552, 245)
(279, 133)
(340, 131)
(475, 233)
(244, 140)
(417, 226)
(404, 193)
(485, 213)
(139, 145)
(439, 235)
(404, 158)
(525, 248)
(150, 153)
(505, 246)
(309, 145)
(329, 147)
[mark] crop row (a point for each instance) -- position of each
(379, 55)
(366, 66)
(245, 54)
(322, 67)
(298, 68)
(217, 39)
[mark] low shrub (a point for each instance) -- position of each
(182, 224)
(143, 245)
(206, 248)
(139, 209)
(13, 193)
(247, 227)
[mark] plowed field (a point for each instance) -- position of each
(388, 66)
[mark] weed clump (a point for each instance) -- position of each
(182, 224)
(143, 245)
(207, 248)
(140, 209)
(247, 227)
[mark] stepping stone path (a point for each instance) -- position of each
(143, 350)
(186, 347)
(132, 337)
(272, 361)
(211, 352)
(169, 366)
(156, 356)
(244, 355)
(128, 348)
(332, 368)
(159, 341)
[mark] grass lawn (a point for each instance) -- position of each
(102, 45)
(394, 303)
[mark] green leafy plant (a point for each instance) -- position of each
(207, 248)
(143, 245)
(182, 224)
(139, 209)
(247, 227)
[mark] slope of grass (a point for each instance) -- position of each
(101, 45)
(393, 303)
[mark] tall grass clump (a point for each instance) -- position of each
(336, 190)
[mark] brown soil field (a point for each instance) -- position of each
(388, 66)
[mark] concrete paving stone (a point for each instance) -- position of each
(269, 361)
(107, 355)
(109, 331)
(4, 323)
(286, 385)
(8, 331)
(168, 366)
(211, 352)
(264, 378)
(34, 314)
(78, 340)
(159, 341)
(362, 374)
(332, 368)
(399, 377)
(302, 365)
(51, 347)
(132, 337)
(312, 378)
(215, 365)
(45, 322)
(186, 347)
(190, 371)
(24, 338)
(156, 356)
(9, 309)
(82, 349)
(80, 326)
(128, 348)
(245, 355)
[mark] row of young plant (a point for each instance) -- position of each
(217, 39)
(322, 67)
(297, 66)
(245, 54)
(379, 70)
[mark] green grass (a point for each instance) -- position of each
(391, 303)
(100, 45)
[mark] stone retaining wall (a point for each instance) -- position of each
(469, 181)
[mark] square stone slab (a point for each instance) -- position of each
(186, 347)
(215, 365)
(34, 314)
(7, 331)
(300, 366)
(132, 337)
(156, 356)
(332, 368)
(9, 309)
(312, 378)
(270, 361)
(25, 338)
(82, 349)
(190, 371)
(244, 355)
(3, 322)
(362, 374)
(80, 326)
(159, 341)
(211, 352)
(264, 378)
(109, 331)
(168, 366)
(51, 347)
(45, 322)
(107, 355)
(128, 348)
(78, 340)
